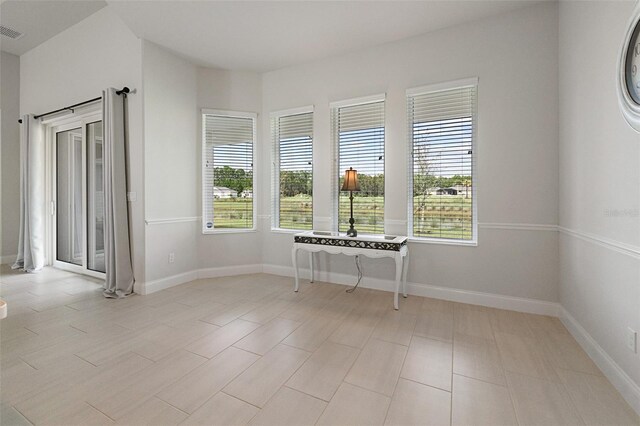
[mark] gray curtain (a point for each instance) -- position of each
(119, 280)
(31, 251)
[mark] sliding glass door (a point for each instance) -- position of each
(78, 193)
(69, 218)
(95, 198)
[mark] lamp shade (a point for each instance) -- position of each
(350, 180)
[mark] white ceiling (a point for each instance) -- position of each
(41, 20)
(253, 35)
(267, 35)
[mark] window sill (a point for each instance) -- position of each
(228, 231)
(464, 243)
(288, 231)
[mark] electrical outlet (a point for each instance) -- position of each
(632, 340)
(172, 257)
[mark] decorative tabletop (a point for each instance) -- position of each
(374, 242)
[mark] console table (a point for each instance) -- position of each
(374, 246)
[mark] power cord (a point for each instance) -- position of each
(359, 266)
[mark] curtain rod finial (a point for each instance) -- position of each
(125, 90)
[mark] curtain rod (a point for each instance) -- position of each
(124, 90)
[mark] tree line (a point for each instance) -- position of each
(429, 182)
(237, 179)
(293, 183)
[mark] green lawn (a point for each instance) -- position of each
(443, 216)
(233, 213)
(438, 216)
(368, 213)
(296, 212)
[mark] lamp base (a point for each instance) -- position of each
(352, 231)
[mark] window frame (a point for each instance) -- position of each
(254, 169)
(433, 88)
(275, 168)
(335, 147)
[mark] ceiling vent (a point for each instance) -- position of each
(11, 33)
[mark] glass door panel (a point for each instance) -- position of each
(95, 198)
(69, 218)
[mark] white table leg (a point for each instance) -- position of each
(311, 264)
(398, 277)
(405, 267)
(294, 257)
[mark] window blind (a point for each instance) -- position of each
(228, 200)
(359, 135)
(442, 126)
(293, 171)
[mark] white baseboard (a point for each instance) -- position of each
(164, 283)
(227, 271)
(8, 259)
(185, 277)
(629, 390)
(491, 300)
(519, 304)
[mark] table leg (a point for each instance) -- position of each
(311, 264)
(294, 257)
(405, 267)
(398, 278)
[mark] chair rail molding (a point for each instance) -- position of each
(518, 226)
(628, 249)
(172, 220)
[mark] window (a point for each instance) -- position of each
(227, 171)
(292, 134)
(442, 134)
(358, 132)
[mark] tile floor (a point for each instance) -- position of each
(248, 350)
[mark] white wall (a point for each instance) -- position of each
(171, 162)
(234, 91)
(599, 176)
(515, 57)
(175, 92)
(77, 65)
(9, 156)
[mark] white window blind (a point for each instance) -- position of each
(359, 134)
(228, 144)
(442, 129)
(292, 136)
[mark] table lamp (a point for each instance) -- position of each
(351, 184)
